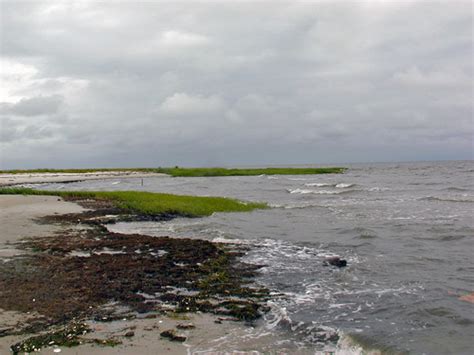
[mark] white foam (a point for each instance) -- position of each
(277, 315)
(343, 185)
(376, 189)
(318, 184)
(225, 240)
(317, 192)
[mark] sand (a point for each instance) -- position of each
(37, 178)
(17, 215)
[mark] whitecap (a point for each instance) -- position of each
(317, 192)
(318, 184)
(376, 189)
(343, 185)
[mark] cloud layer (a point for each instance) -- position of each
(148, 84)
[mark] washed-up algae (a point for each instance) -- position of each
(78, 274)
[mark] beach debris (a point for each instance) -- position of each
(185, 325)
(335, 261)
(172, 335)
(129, 334)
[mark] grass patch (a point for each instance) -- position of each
(150, 203)
(194, 172)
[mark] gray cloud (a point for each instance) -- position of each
(126, 83)
(34, 106)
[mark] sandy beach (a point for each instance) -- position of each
(38, 178)
(204, 333)
(18, 214)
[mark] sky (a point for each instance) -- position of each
(234, 83)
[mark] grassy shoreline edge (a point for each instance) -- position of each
(150, 203)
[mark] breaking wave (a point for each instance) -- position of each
(340, 185)
(343, 185)
(318, 184)
(317, 192)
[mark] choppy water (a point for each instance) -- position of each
(407, 231)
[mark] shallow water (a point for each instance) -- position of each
(406, 229)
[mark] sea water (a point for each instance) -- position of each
(406, 230)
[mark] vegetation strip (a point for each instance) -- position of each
(193, 172)
(150, 203)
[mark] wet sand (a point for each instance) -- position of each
(37, 178)
(18, 214)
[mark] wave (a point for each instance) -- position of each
(297, 206)
(425, 183)
(376, 188)
(298, 179)
(318, 184)
(454, 188)
(343, 185)
(450, 238)
(340, 185)
(317, 192)
(367, 236)
(440, 199)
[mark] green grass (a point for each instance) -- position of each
(194, 172)
(151, 203)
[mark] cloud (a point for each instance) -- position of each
(182, 103)
(34, 106)
(182, 39)
(89, 83)
(415, 77)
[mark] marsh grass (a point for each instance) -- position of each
(193, 172)
(150, 203)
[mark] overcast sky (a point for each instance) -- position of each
(89, 84)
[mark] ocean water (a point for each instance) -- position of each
(406, 229)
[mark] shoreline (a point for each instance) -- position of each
(40, 178)
(15, 177)
(48, 222)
